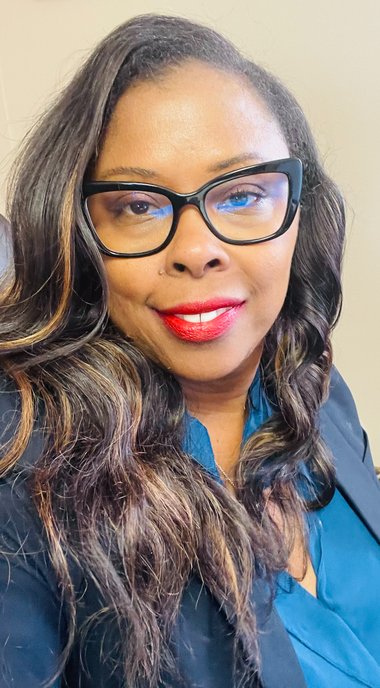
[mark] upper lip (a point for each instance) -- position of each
(202, 306)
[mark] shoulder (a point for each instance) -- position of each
(23, 537)
(340, 405)
(340, 424)
(9, 407)
(10, 415)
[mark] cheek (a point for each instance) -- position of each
(129, 286)
(270, 268)
(270, 274)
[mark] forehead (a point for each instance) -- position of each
(190, 117)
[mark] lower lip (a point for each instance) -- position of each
(201, 332)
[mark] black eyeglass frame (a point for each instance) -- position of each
(291, 167)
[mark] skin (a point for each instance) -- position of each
(187, 127)
(181, 127)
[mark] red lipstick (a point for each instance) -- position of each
(201, 321)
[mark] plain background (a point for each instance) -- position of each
(326, 52)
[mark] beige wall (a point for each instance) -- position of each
(328, 53)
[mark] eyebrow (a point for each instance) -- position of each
(138, 171)
(146, 173)
(236, 160)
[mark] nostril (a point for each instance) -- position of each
(180, 267)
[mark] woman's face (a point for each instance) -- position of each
(189, 126)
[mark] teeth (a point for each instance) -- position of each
(206, 317)
(202, 317)
(194, 318)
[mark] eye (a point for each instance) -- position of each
(139, 207)
(133, 204)
(242, 198)
(239, 198)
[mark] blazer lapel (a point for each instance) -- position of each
(341, 430)
(361, 492)
(279, 664)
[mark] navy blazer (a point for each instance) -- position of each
(32, 627)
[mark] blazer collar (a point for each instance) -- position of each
(355, 476)
(361, 489)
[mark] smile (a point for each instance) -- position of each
(202, 317)
(202, 322)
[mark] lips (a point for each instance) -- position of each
(201, 321)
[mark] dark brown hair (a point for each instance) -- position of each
(113, 418)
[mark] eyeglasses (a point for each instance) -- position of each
(246, 206)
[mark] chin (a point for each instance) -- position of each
(216, 371)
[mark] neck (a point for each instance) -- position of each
(222, 396)
(220, 405)
(210, 400)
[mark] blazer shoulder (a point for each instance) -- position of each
(340, 408)
(10, 407)
(340, 424)
(340, 396)
(10, 416)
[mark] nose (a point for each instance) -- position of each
(194, 249)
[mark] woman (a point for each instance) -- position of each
(175, 501)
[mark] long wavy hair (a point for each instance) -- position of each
(113, 487)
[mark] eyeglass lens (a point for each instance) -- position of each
(245, 208)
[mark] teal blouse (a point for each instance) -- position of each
(336, 635)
